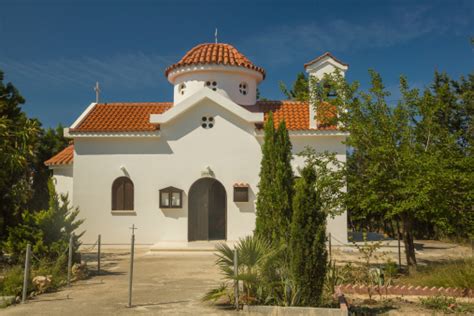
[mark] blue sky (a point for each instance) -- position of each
(55, 51)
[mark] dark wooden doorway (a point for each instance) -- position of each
(207, 210)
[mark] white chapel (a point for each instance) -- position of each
(186, 170)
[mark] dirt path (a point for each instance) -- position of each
(163, 284)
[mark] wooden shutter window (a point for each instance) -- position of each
(122, 194)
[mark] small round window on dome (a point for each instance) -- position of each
(243, 88)
(182, 88)
(211, 85)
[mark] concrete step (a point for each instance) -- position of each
(191, 246)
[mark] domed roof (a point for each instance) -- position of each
(215, 54)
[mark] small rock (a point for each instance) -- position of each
(42, 283)
(80, 271)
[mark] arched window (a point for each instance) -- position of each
(122, 194)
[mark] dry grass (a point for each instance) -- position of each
(453, 273)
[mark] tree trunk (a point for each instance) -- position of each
(408, 242)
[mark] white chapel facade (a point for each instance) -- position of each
(186, 170)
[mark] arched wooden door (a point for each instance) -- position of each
(207, 210)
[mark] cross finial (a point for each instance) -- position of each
(215, 35)
(97, 92)
(133, 228)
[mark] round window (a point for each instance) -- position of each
(243, 88)
(207, 122)
(211, 85)
(182, 88)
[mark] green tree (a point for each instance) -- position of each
(18, 136)
(319, 194)
(404, 157)
(48, 230)
(300, 89)
(276, 184)
(50, 142)
(284, 182)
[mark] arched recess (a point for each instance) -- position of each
(207, 210)
(122, 194)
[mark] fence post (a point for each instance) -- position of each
(98, 255)
(130, 275)
(26, 274)
(69, 260)
(236, 283)
(330, 247)
(399, 251)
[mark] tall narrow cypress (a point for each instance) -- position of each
(284, 182)
(308, 239)
(274, 200)
(266, 191)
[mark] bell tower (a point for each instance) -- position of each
(316, 69)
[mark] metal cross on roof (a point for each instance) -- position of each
(97, 92)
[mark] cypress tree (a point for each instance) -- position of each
(266, 190)
(274, 201)
(284, 183)
(308, 256)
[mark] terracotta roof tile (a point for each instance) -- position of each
(135, 117)
(64, 157)
(215, 54)
(125, 117)
(121, 117)
(326, 54)
(295, 114)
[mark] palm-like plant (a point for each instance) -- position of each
(252, 253)
(263, 271)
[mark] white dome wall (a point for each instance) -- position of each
(227, 78)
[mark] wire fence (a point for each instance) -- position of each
(353, 244)
(30, 256)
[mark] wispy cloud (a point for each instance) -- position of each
(281, 44)
(120, 71)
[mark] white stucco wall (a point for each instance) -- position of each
(177, 158)
(227, 78)
(63, 180)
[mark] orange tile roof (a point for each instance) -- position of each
(121, 117)
(326, 54)
(215, 53)
(135, 117)
(64, 157)
(295, 114)
(126, 117)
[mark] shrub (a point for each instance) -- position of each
(57, 269)
(47, 231)
(335, 275)
(262, 270)
(440, 303)
(12, 283)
